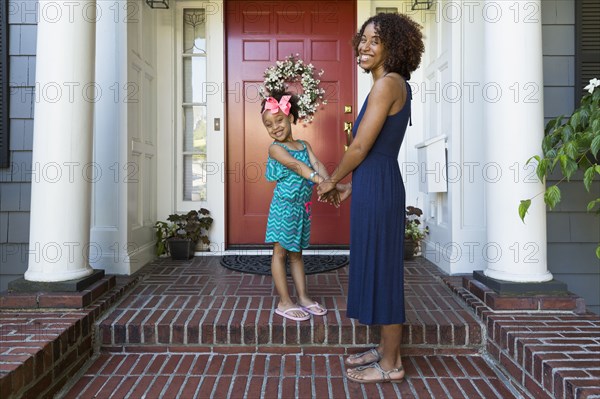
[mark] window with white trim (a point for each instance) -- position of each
(194, 146)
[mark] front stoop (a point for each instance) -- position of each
(201, 303)
(41, 349)
(547, 346)
(194, 329)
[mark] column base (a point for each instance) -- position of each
(22, 285)
(73, 294)
(525, 297)
(511, 287)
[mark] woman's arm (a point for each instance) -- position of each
(383, 95)
(279, 154)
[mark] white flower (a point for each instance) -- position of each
(593, 84)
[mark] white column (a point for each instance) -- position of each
(513, 129)
(62, 145)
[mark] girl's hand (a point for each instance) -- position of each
(332, 197)
(325, 187)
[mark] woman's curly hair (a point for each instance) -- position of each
(402, 41)
(294, 109)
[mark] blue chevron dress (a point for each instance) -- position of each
(289, 214)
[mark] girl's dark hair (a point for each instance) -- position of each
(402, 41)
(294, 109)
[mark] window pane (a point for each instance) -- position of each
(194, 79)
(194, 31)
(194, 130)
(194, 175)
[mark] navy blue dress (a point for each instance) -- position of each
(376, 281)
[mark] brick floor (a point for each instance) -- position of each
(193, 329)
(196, 329)
(550, 354)
(201, 303)
(41, 349)
(279, 375)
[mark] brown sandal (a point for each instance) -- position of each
(385, 375)
(372, 351)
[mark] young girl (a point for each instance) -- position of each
(295, 168)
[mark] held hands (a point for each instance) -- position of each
(333, 193)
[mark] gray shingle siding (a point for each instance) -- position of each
(15, 186)
(572, 232)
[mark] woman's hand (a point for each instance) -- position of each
(325, 187)
(345, 191)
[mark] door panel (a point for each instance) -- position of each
(259, 34)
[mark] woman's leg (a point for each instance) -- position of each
(389, 347)
(280, 280)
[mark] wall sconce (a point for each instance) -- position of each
(160, 4)
(422, 5)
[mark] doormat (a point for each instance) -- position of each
(261, 264)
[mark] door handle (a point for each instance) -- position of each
(348, 130)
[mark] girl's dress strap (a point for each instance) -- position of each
(281, 145)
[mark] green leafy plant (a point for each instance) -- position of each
(412, 225)
(572, 144)
(193, 225)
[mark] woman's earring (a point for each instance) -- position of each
(357, 60)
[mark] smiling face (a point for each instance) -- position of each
(371, 53)
(278, 125)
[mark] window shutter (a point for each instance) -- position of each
(4, 122)
(587, 45)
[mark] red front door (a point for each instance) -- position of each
(259, 34)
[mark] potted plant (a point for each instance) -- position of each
(573, 144)
(179, 236)
(413, 233)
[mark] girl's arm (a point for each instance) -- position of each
(317, 165)
(383, 95)
(279, 154)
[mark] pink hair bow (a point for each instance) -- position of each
(274, 106)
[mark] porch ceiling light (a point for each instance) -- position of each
(422, 4)
(161, 4)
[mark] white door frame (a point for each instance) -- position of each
(169, 39)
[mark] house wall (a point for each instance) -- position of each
(573, 234)
(15, 181)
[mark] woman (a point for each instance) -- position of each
(389, 47)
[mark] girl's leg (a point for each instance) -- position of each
(389, 347)
(297, 270)
(280, 281)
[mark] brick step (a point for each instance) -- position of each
(551, 354)
(201, 303)
(248, 321)
(276, 373)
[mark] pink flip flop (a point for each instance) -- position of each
(321, 311)
(285, 314)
